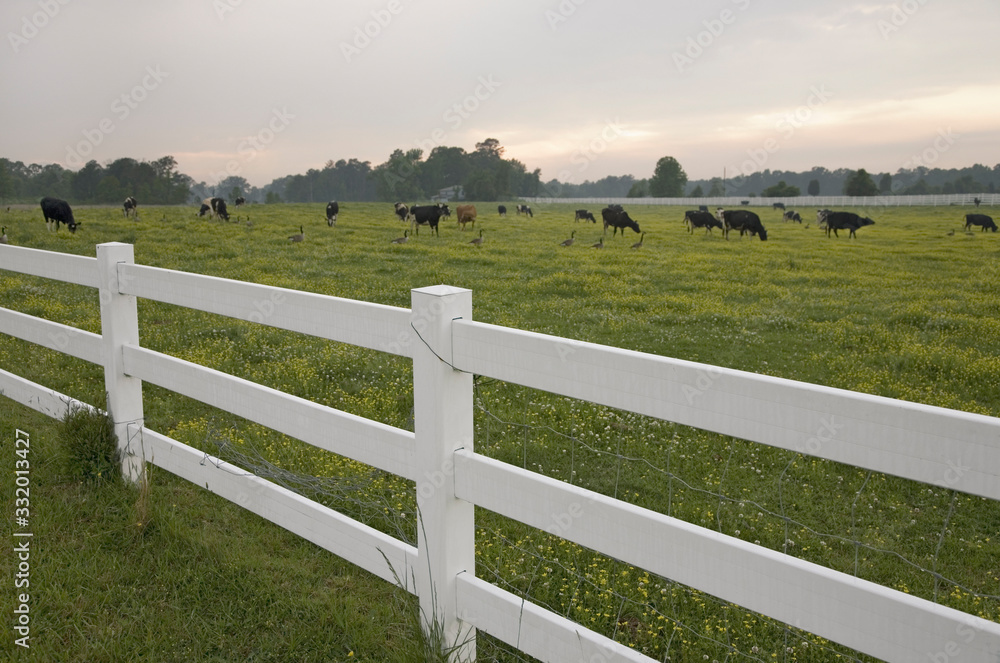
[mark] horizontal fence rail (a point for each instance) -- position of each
(363, 324)
(957, 450)
(963, 199)
(929, 444)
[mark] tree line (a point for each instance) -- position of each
(152, 182)
(451, 172)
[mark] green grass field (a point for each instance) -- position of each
(908, 310)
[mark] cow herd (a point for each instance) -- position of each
(56, 212)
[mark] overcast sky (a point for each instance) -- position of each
(579, 88)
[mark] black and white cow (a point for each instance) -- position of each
(502, 210)
(845, 221)
(698, 219)
(618, 218)
(821, 217)
(58, 211)
(780, 206)
(332, 210)
(792, 215)
(427, 215)
(401, 211)
(240, 201)
(984, 222)
(524, 209)
(216, 207)
(130, 208)
(743, 220)
(582, 214)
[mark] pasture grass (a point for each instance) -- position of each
(908, 310)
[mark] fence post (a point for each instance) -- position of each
(442, 401)
(120, 326)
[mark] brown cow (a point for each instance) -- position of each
(466, 214)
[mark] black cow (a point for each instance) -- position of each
(216, 207)
(702, 208)
(58, 211)
(585, 215)
(792, 215)
(524, 209)
(985, 222)
(429, 215)
(240, 201)
(130, 207)
(618, 219)
(699, 219)
(780, 206)
(502, 210)
(332, 210)
(845, 221)
(743, 220)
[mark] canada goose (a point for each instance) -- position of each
(3, 237)
(599, 245)
(568, 242)
(479, 240)
(638, 245)
(402, 240)
(298, 238)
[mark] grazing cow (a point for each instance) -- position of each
(466, 214)
(502, 210)
(401, 211)
(985, 222)
(524, 209)
(216, 207)
(845, 221)
(698, 219)
(743, 220)
(702, 208)
(429, 215)
(821, 215)
(780, 206)
(332, 210)
(744, 202)
(977, 201)
(130, 207)
(585, 215)
(792, 215)
(58, 211)
(618, 219)
(240, 201)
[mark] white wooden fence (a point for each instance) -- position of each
(928, 444)
(798, 202)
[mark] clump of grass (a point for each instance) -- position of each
(92, 446)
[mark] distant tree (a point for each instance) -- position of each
(668, 180)
(885, 184)
(717, 188)
(110, 190)
(491, 148)
(697, 193)
(860, 183)
(640, 189)
(813, 187)
(481, 185)
(86, 181)
(780, 190)
(272, 197)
